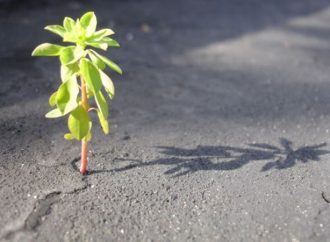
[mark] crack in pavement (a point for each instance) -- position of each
(43, 207)
(73, 163)
(84, 178)
(325, 198)
(34, 219)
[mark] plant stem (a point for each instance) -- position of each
(83, 162)
(84, 103)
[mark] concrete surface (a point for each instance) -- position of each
(218, 129)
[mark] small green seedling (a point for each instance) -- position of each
(78, 62)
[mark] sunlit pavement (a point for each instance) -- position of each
(219, 127)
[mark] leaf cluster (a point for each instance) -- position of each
(79, 61)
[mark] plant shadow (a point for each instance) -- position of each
(225, 158)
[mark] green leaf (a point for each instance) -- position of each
(91, 75)
(108, 62)
(69, 24)
(52, 99)
(79, 123)
(88, 21)
(68, 136)
(67, 55)
(47, 49)
(102, 46)
(108, 84)
(104, 123)
(71, 54)
(66, 97)
(69, 37)
(55, 113)
(97, 61)
(89, 93)
(67, 71)
(56, 29)
(101, 104)
(101, 34)
(88, 137)
(110, 42)
(103, 43)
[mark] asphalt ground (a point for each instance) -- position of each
(219, 127)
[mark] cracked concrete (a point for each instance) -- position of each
(42, 208)
(325, 197)
(34, 219)
(219, 127)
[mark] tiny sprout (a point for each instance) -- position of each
(80, 62)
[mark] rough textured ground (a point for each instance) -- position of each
(218, 129)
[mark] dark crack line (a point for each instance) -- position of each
(41, 209)
(80, 189)
(43, 206)
(84, 178)
(325, 198)
(74, 165)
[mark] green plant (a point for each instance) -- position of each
(78, 62)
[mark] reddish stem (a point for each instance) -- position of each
(84, 103)
(83, 162)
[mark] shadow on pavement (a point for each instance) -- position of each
(221, 158)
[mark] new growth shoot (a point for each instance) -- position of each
(83, 77)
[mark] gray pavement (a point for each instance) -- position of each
(219, 127)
